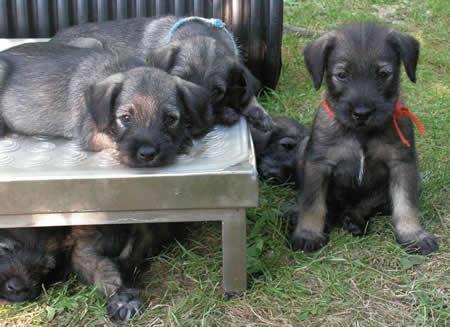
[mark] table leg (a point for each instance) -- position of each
(234, 253)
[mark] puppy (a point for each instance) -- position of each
(31, 258)
(276, 151)
(102, 98)
(198, 50)
(109, 256)
(362, 142)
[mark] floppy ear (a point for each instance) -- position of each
(242, 85)
(195, 100)
(407, 48)
(316, 56)
(100, 99)
(164, 58)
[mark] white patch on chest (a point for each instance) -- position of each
(361, 167)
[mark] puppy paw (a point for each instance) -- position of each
(354, 224)
(259, 118)
(227, 116)
(420, 242)
(308, 241)
(124, 305)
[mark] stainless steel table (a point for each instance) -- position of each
(51, 182)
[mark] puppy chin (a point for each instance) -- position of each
(274, 171)
(161, 160)
(22, 297)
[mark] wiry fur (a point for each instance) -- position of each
(31, 258)
(85, 93)
(355, 163)
(277, 150)
(109, 257)
(197, 52)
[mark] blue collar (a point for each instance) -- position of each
(216, 22)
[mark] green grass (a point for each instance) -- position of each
(368, 281)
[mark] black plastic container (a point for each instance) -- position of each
(257, 24)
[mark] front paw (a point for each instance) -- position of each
(420, 242)
(354, 224)
(259, 118)
(227, 116)
(124, 305)
(308, 241)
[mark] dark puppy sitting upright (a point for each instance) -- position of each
(356, 153)
(195, 49)
(277, 150)
(102, 98)
(108, 257)
(29, 259)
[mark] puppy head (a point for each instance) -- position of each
(202, 60)
(24, 267)
(361, 64)
(276, 151)
(151, 114)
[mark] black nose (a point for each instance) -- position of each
(146, 153)
(361, 113)
(14, 285)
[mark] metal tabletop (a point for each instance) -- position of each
(52, 182)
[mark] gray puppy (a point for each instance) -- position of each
(195, 50)
(108, 257)
(362, 142)
(102, 98)
(277, 150)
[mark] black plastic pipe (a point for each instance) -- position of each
(256, 24)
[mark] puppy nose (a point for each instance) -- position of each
(361, 113)
(14, 285)
(146, 153)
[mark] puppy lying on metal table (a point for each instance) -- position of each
(46, 181)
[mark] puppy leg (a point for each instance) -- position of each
(93, 140)
(403, 190)
(309, 232)
(102, 272)
(227, 116)
(257, 116)
(355, 220)
(101, 141)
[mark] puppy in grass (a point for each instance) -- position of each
(277, 150)
(30, 259)
(361, 154)
(104, 99)
(198, 50)
(109, 256)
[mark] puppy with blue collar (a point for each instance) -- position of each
(196, 49)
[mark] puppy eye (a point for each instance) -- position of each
(125, 119)
(171, 119)
(287, 144)
(341, 76)
(383, 74)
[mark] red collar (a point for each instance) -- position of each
(399, 110)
